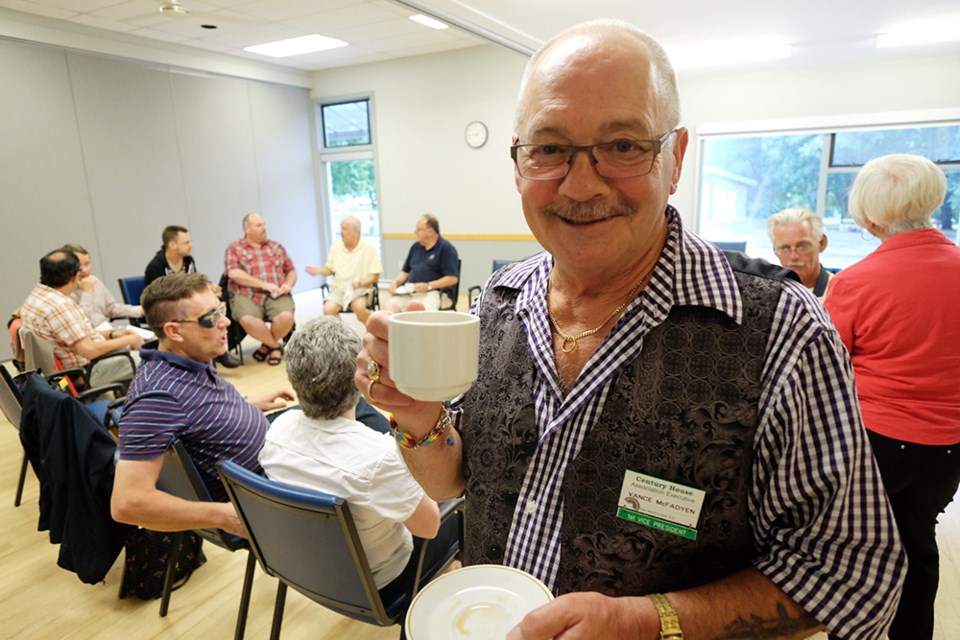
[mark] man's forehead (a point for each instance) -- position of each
(803, 228)
(200, 301)
(614, 92)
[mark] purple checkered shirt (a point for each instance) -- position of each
(818, 512)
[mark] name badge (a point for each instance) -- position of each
(660, 504)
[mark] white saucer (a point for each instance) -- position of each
(480, 602)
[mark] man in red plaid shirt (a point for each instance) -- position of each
(261, 277)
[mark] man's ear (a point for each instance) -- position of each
(679, 152)
(171, 330)
(823, 243)
(514, 139)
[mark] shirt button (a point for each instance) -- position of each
(531, 507)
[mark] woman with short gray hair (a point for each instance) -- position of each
(324, 447)
(896, 311)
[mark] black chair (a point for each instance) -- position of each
(180, 477)
(373, 298)
(11, 402)
(131, 289)
(450, 296)
(308, 540)
(475, 290)
(73, 456)
(236, 332)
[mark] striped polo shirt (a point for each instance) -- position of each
(175, 397)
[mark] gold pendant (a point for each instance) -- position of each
(571, 341)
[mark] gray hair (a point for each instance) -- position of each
(797, 215)
(898, 193)
(662, 73)
(352, 221)
(321, 359)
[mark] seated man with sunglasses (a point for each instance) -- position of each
(177, 394)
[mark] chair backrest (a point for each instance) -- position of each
(308, 540)
(451, 293)
(11, 399)
(13, 327)
(131, 289)
(730, 246)
(37, 352)
(180, 477)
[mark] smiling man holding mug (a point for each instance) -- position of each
(668, 439)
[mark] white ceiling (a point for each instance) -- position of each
(821, 31)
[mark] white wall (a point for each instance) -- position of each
(106, 152)
(423, 104)
(838, 95)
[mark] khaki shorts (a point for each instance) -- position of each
(114, 369)
(241, 306)
(430, 300)
(338, 297)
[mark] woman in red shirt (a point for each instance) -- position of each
(897, 312)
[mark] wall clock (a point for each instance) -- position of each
(476, 134)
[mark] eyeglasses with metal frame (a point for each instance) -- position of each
(210, 319)
(620, 158)
(803, 249)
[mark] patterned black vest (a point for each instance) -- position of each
(685, 410)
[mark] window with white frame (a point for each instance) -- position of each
(348, 179)
(745, 178)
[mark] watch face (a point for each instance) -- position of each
(476, 134)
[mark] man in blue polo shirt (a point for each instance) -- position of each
(177, 394)
(432, 265)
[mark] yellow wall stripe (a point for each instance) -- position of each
(495, 237)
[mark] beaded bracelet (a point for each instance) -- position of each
(407, 441)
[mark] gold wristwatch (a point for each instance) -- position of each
(669, 622)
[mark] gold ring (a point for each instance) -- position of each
(370, 384)
(373, 371)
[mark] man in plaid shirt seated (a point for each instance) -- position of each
(261, 277)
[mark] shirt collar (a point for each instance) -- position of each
(913, 238)
(178, 361)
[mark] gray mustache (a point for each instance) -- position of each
(586, 212)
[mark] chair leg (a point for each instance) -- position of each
(245, 597)
(171, 576)
(278, 610)
(23, 476)
(122, 593)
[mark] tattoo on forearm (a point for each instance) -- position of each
(756, 627)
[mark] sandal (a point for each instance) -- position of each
(274, 360)
(261, 354)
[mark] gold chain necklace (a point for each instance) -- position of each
(569, 343)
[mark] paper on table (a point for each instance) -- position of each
(146, 334)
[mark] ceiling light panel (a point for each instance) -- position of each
(296, 46)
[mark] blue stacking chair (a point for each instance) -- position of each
(308, 540)
(131, 289)
(730, 245)
(179, 477)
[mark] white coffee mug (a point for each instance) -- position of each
(434, 354)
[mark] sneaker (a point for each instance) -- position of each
(228, 360)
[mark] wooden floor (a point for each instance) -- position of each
(38, 600)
